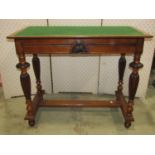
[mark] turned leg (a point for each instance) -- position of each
(121, 70)
(26, 86)
(36, 68)
(133, 85)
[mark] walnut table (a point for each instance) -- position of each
(79, 41)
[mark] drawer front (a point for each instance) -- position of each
(47, 49)
(79, 46)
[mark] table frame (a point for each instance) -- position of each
(83, 46)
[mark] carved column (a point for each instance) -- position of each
(121, 70)
(133, 85)
(36, 68)
(26, 86)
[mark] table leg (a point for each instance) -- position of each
(26, 86)
(133, 85)
(36, 68)
(121, 70)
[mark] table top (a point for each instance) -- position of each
(78, 31)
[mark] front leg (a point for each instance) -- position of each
(26, 87)
(133, 85)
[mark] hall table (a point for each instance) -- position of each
(79, 41)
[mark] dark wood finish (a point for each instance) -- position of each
(121, 69)
(123, 105)
(75, 46)
(25, 83)
(71, 41)
(26, 86)
(13, 36)
(36, 68)
(153, 62)
(153, 68)
(0, 81)
(133, 85)
(79, 103)
(94, 46)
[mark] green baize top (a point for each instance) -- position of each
(36, 31)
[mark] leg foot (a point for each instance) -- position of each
(127, 124)
(31, 123)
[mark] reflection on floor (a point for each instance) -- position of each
(77, 120)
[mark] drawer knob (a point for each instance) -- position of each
(79, 47)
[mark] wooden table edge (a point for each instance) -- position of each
(78, 36)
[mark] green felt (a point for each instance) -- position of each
(79, 30)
